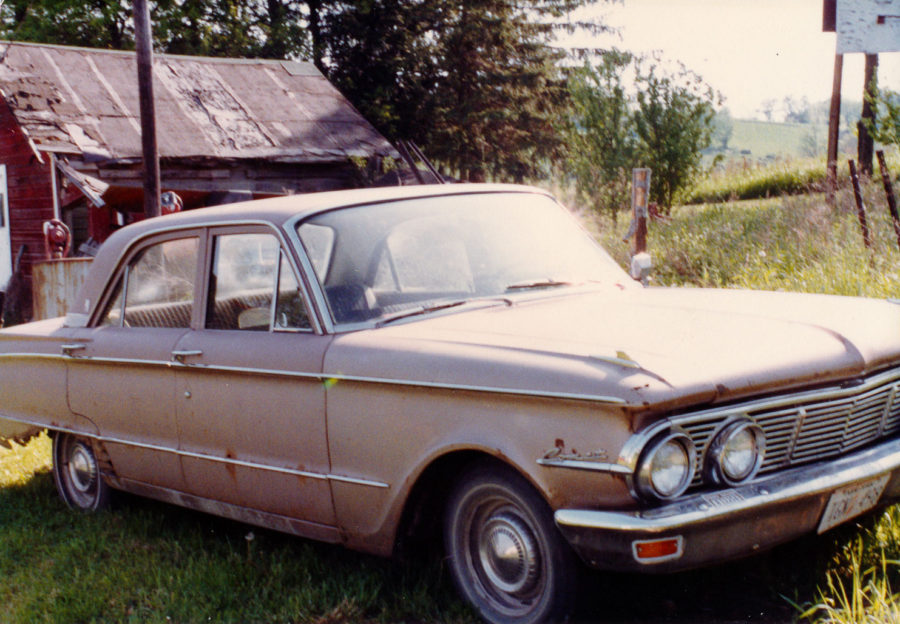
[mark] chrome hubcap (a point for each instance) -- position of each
(82, 469)
(509, 554)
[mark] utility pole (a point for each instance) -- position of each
(865, 148)
(834, 122)
(144, 45)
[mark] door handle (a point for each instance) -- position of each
(178, 356)
(70, 349)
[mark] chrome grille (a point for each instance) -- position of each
(810, 426)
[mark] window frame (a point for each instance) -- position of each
(123, 270)
(209, 256)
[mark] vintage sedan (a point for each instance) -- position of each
(365, 367)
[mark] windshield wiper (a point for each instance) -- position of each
(535, 284)
(419, 310)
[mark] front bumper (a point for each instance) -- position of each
(723, 525)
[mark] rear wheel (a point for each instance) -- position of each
(506, 556)
(76, 472)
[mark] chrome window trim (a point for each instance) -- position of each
(202, 229)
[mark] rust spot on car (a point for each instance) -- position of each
(232, 470)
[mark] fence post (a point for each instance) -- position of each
(640, 207)
(860, 206)
(889, 191)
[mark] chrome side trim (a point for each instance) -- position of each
(203, 456)
(581, 464)
(330, 380)
(491, 389)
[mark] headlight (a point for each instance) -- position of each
(666, 467)
(736, 453)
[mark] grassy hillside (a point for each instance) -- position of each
(761, 139)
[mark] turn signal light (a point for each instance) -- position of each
(653, 551)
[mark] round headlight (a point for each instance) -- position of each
(667, 466)
(736, 453)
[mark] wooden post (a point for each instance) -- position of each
(889, 191)
(641, 262)
(866, 144)
(860, 206)
(834, 120)
(144, 45)
(640, 201)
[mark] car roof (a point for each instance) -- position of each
(275, 211)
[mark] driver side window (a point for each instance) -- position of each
(252, 286)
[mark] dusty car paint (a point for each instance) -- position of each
(353, 428)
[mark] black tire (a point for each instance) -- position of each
(76, 472)
(505, 553)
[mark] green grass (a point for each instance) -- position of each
(149, 562)
(740, 180)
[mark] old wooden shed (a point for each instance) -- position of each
(70, 144)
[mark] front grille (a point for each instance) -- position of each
(810, 426)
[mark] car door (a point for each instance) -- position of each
(120, 372)
(250, 401)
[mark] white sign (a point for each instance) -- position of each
(869, 26)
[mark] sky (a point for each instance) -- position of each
(749, 50)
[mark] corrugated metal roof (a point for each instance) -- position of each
(84, 101)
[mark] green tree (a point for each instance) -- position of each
(382, 56)
(91, 23)
(477, 83)
(673, 123)
(886, 129)
(600, 140)
(723, 128)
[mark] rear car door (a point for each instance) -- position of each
(250, 399)
(120, 374)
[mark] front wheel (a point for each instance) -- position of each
(76, 472)
(506, 556)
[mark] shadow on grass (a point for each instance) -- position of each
(150, 562)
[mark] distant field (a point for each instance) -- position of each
(763, 139)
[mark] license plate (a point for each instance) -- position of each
(850, 501)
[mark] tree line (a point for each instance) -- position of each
(484, 86)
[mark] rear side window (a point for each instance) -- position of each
(157, 287)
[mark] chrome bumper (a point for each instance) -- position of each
(718, 526)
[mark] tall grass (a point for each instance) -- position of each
(792, 243)
(746, 179)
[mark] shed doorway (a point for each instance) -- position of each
(5, 247)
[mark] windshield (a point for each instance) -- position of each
(378, 261)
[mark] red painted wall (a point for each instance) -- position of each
(30, 191)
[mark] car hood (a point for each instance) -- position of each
(660, 347)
